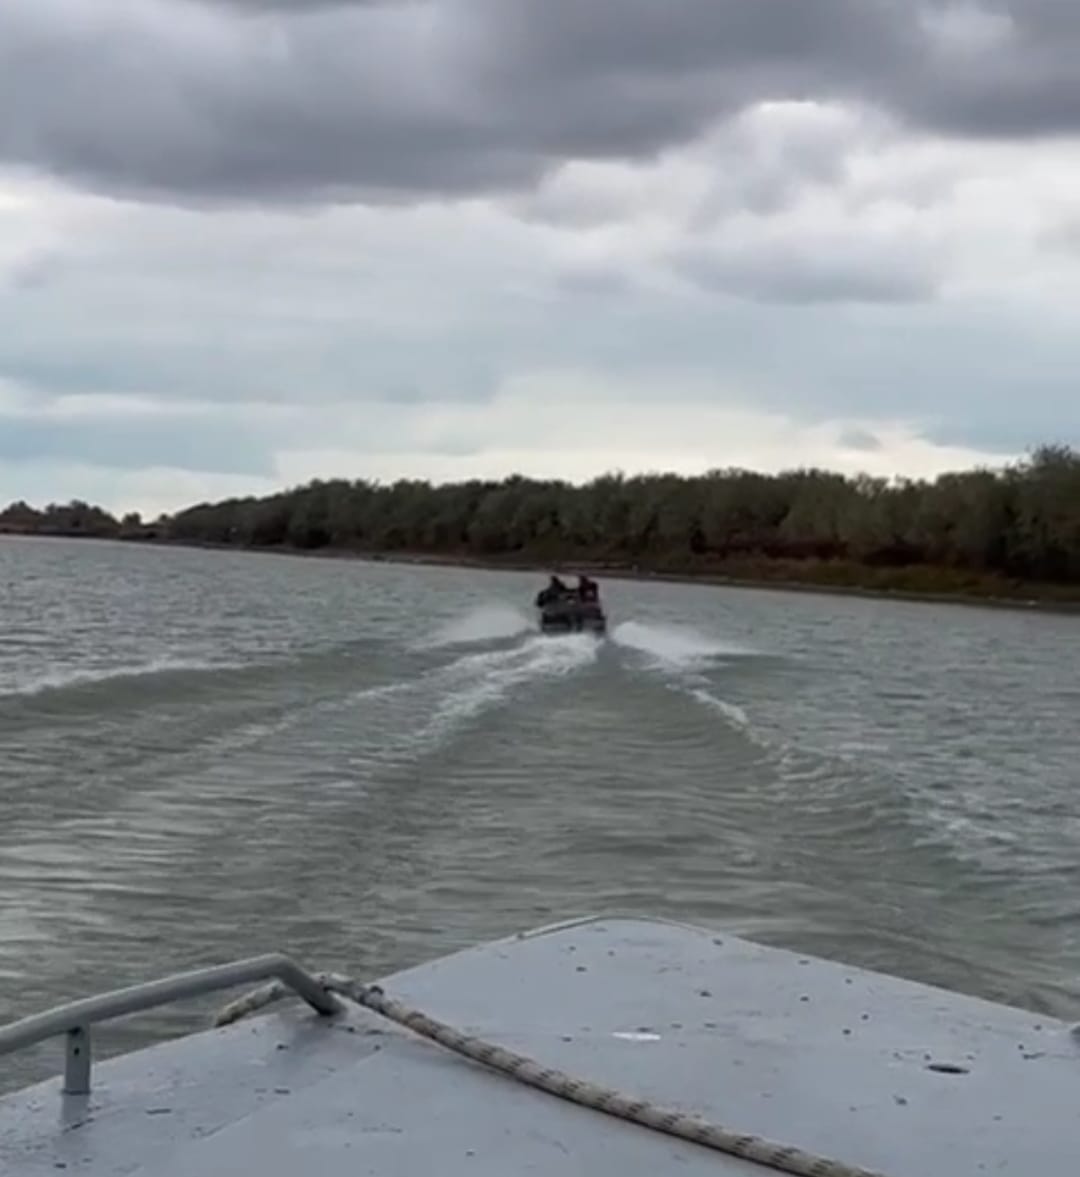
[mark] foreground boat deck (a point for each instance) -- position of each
(864, 1068)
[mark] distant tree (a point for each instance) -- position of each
(20, 517)
(1020, 522)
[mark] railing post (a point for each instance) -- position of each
(74, 1019)
(77, 1061)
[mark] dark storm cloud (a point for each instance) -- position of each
(177, 101)
(1001, 70)
(387, 99)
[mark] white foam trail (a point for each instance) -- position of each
(91, 676)
(490, 622)
(478, 682)
(681, 655)
(415, 716)
(248, 735)
(673, 646)
(733, 714)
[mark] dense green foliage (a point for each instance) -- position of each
(1020, 523)
(74, 518)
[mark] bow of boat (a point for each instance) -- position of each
(865, 1069)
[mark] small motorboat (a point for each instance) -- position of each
(571, 610)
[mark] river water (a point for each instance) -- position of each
(213, 754)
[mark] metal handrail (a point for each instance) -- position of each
(76, 1017)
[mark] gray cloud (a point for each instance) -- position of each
(1002, 70)
(301, 6)
(596, 281)
(387, 100)
(204, 446)
(860, 439)
(361, 355)
(964, 376)
(837, 270)
(31, 272)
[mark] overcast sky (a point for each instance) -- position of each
(244, 243)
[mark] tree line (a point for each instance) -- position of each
(1018, 523)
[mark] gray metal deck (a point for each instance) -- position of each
(801, 1051)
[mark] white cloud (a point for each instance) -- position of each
(570, 423)
(653, 440)
(152, 490)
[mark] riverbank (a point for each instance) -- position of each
(916, 583)
(986, 593)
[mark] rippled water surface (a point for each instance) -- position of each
(211, 754)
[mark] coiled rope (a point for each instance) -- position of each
(783, 1158)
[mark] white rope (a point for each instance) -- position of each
(782, 1158)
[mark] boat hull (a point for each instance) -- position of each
(906, 1079)
(573, 619)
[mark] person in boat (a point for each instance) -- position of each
(554, 591)
(588, 590)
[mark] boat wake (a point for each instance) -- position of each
(680, 656)
(413, 717)
(685, 659)
(84, 678)
(495, 621)
(478, 682)
(670, 646)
